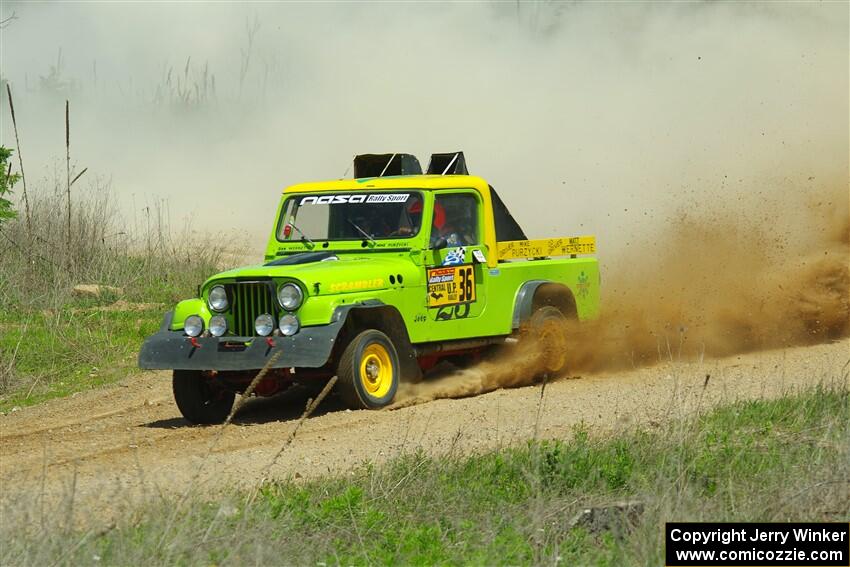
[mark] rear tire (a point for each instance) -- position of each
(198, 400)
(547, 328)
(369, 371)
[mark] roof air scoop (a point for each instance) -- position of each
(382, 165)
(447, 164)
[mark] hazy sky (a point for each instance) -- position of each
(588, 118)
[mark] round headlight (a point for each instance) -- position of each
(218, 325)
(290, 296)
(218, 298)
(193, 325)
(289, 325)
(264, 325)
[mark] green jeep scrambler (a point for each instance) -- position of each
(375, 280)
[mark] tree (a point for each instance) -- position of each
(7, 181)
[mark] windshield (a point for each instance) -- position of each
(351, 216)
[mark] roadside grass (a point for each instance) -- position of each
(781, 460)
(59, 353)
(54, 343)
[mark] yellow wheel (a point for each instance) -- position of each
(376, 370)
(369, 371)
(547, 328)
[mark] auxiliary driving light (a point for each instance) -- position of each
(218, 298)
(264, 325)
(193, 325)
(290, 297)
(289, 325)
(218, 325)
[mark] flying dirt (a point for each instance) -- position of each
(721, 284)
(713, 285)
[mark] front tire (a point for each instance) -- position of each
(369, 371)
(197, 398)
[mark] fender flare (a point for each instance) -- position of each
(524, 303)
(375, 314)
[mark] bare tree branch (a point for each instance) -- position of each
(80, 174)
(7, 21)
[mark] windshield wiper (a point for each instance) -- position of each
(303, 236)
(361, 231)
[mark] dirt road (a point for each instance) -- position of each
(119, 445)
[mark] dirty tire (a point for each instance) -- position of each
(197, 401)
(369, 371)
(548, 328)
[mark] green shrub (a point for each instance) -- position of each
(7, 181)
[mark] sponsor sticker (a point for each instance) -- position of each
(479, 256)
(360, 198)
(451, 285)
(455, 257)
(388, 198)
(583, 285)
(519, 249)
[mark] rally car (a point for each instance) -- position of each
(375, 280)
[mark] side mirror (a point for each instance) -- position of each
(440, 243)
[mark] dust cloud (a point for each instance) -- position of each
(519, 366)
(715, 285)
(723, 284)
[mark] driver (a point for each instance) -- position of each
(411, 219)
(451, 223)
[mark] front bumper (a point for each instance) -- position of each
(311, 347)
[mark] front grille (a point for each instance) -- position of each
(249, 300)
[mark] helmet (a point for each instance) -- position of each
(439, 215)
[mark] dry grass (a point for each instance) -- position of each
(47, 335)
(147, 257)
